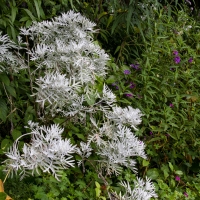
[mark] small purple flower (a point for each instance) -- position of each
(185, 194)
(132, 85)
(171, 105)
(127, 71)
(128, 95)
(177, 59)
(150, 133)
(135, 66)
(115, 85)
(175, 53)
(190, 60)
(177, 178)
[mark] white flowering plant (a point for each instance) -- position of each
(67, 64)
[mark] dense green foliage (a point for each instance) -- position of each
(145, 40)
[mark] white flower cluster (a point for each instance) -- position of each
(143, 190)
(120, 148)
(125, 116)
(9, 60)
(47, 151)
(70, 62)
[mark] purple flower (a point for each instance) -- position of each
(177, 59)
(150, 133)
(190, 60)
(115, 85)
(135, 66)
(171, 105)
(127, 71)
(128, 95)
(175, 53)
(177, 178)
(132, 85)
(185, 194)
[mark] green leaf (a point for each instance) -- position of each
(6, 143)
(3, 110)
(171, 166)
(37, 6)
(111, 79)
(29, 14)
(16, 134)
(13, 13)
(153, 174)
(179, 172)
(110, 19)
(4, 78)
(98, 192)
(81, 136)
(145, 163)
(10, 90)
(97, 185)
(3, 195)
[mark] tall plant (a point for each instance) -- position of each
(66, 65)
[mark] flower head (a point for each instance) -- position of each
(135, 66)
(132, 85)
(177, 59)
(175, 53)
(128, 95)
(177, 178)
(127, 72)
(185, 194)
(171, 105)
(190, 60)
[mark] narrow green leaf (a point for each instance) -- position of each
(171, 166)
(110, 19)
(4, 78)
(36, 2)
(29, 14)
(10, 90)
(13, 13)
(3, 110)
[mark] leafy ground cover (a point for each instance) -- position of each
(154, 65)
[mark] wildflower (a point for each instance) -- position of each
(135, 66)
(126, 115)
(190, 60)
(132, 85)
(150, 133)
(175, 53)
(128, 95)
(171, 105)
(177, 59)
(46, 151)
(185, 194)
(127, 71)
(177, 178)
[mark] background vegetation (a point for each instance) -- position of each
(158, 43)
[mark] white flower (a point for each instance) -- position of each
(56, 89)
(127, 115)
(46, 151)
(142, 190)
(108, 95)
(9, 60)
(121, 149)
